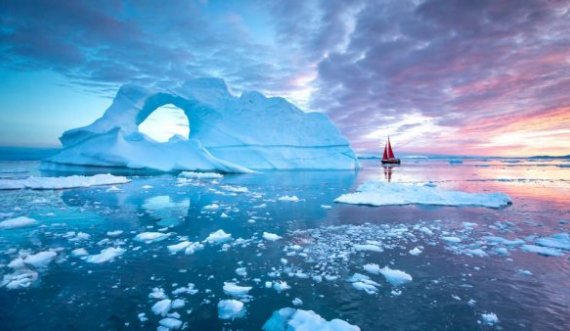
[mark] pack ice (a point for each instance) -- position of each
(227, 134)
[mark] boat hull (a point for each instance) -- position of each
(394, 161)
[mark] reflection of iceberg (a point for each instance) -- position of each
(168, 212)
(227, 134)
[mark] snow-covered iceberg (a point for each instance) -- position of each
(375, 193)
(227, 134)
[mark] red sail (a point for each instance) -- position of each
(390, 152)
(385, 156)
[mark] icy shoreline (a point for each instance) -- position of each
(59, 183)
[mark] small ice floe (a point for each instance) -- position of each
(40, 260)
(58, 183)
(115, 233)
(493, 240)
(142, 317)
(162, 307)
(188, 289)
(18, 222)
(364, 283)
(20, 278)
(271, 236)
(213, 206)
(374, 193)
(146, 187)
(291, 319)
(193, 247)
(372, 268)
(178, 303)
(297, 302)
(546, 251)
(151, 237)
(450, 239)
(79, 252)
(290, 198)
(218, 237)
(200, 175)
(241, 271)
(281, 286)
(106, 255)
(395, 277)
(489, 318)
(234, 189)
(235, 290)
(113, 188)
(368, 247)
(326, 206)
(525, 272)
(178, 247)
(157, 293)
(558, 241)
(231, 309)
(170, 323)
(415, 251)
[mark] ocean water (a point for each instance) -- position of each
(462, 270)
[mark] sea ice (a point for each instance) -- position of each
(107, 254)
(162, 307)
(170, 323)
(200, 175)
(178, 247)
(374, 193)
(18, 222)
(547, 251)
(290, 198)
(58, 183)
(151, 237)
(368, 247)
(281, 286)
(372, 268)
(40, 260)
(271, 236)
(416, 251)
(20, 278)
(559, 240)
(395, 277)
(231, 309)
(79, 252)
(218, 237)
(490, 318)
(235, 290)
(290, 319)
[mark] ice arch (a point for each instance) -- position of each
(164, 123)
(228, 134)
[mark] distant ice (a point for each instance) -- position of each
(374, 193)
(559, 240)
(18, 222)
(170, 323)
(271, 236)
(106, 255)
(150, 237)
(489, 318)
(231, 309)
(200, 175)
(58, 183)
(415, 251)
(40, 260)
(162, 307)
(395, 277)
(546, 251)
(290, 319)
(235, 290)
(218, 237)
(290, 198)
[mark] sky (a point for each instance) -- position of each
(468, 77)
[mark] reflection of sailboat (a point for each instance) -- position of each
(388, 156)
(388, 173)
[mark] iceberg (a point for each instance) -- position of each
(227, 134)
(290, 319)
(60, 183)
(374, 193)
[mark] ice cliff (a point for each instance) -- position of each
(227, 133)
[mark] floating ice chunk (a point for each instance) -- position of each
(547, 251)
(290, 198)
(170, 323)
(40, 260)
(142, 317)
(475, 252)
(58, 183)
(230, 309)
(178, 247)
(375, 193)
(234, 189)
(113, 188)
(157, 293)
(146, 187)
(503, 241)
(18, 222)
(271, 236)
(368, 247)
(525, 272)
(200, 175)
(189, 289)
(489, 318)
(372, 268)
(193, 247)
(368, 288)
(218, 237)
(241, 271)
(20, 278)
(290, 319)
(426, 231)
(107, 254)
(416, 251)
(162, 307)
(79, 252)
(451, 239)
(559, 240)
(212, 206)
(178, 303)
(297, 302)
(395, 277)
(281, 286)
(115, 233)
(151, 237)
(235, 290)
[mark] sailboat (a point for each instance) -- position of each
(388, 156)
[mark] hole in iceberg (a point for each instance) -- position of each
(164, 123)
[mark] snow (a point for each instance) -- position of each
(235, 290)
(18, 222)
(151, 237)
(218, 237)
(375, 193)
(106, 255)
(290, 198)
(490, 318)
(40, 260)
(231, 309)
(395, 277)
(59, 183)
(271, 236)
(200, 175)
(229, 134)
(290, 319)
